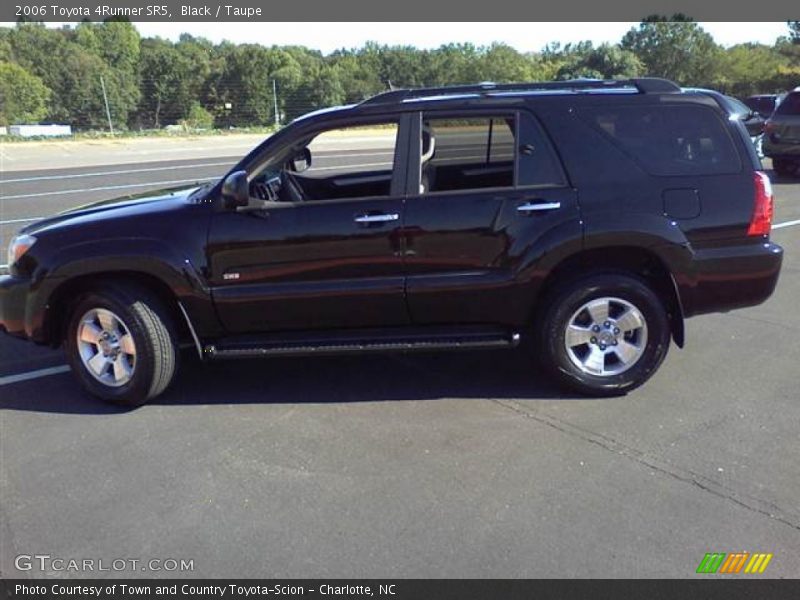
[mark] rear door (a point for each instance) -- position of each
(484, 190)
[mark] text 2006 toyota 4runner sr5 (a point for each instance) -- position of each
(591, 217)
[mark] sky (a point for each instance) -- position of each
(525, 37)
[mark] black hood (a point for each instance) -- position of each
(148, 203)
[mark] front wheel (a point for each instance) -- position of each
(120, 344)
(603, 335)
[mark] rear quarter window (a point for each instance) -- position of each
(669, 140)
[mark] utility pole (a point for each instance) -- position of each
(105, 99)
(275, 103)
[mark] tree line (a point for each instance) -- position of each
(59, 75)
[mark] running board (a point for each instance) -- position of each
(352, 344)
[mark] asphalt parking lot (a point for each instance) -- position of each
(445, 465)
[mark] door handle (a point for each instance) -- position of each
(529, 207)
(379, 218)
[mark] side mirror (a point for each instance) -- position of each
(301, 161)
(236, 190)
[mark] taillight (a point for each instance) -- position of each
(770, 127)
(761, 221)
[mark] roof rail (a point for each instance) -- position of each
(644, 85)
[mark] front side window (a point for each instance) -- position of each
(343, 162)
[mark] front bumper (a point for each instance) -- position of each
(726, 278)
(13, 302)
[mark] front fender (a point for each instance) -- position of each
(156, 259)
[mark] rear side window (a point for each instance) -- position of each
(670, 140)
(467, 153)
(470, 153)
(790, 105)
(538, 163)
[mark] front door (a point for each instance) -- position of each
(321, 247)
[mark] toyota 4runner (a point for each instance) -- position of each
(588, 217)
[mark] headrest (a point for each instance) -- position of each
(428, 144)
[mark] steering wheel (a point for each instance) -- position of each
(293, 189)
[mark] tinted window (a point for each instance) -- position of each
(346, 162)
(790, 105)
(763, 105)
(538, 163)
(670, 140)
(738, 108)
(350, 150)
(467, 153)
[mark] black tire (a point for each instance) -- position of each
(153, 333)
(783, 167)
(557, 312)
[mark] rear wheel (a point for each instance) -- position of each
(603, 335)
(784, 167)
(120, 343)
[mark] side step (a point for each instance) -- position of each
(363, 342)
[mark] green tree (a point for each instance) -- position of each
(678, 49)
(583, 60)
(503, 64)
(23, 97)
(198, 117)
(202, 60)
(794, 31)
(117, 43)
(744, 69)
(71, 72)
(359, 72)
(5, 44)
(246, 85)
(165, 84)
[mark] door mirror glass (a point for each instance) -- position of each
(301, 161)
(236, 190)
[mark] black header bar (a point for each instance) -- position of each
(372, 10)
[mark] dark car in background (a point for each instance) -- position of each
(782, 135)
(764, 104)
(753, 121)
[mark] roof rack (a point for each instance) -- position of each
(644, 85)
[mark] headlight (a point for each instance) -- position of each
(19, 246)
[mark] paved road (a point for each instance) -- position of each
(451, 465)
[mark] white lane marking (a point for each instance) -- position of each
(123, 172)
(340, 167)
(156, 183)
(10, 221)
(9, 379)
(127, 171)
(786, 224)
(102, 189)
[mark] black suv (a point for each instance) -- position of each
(782, 135)
(589, 217)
